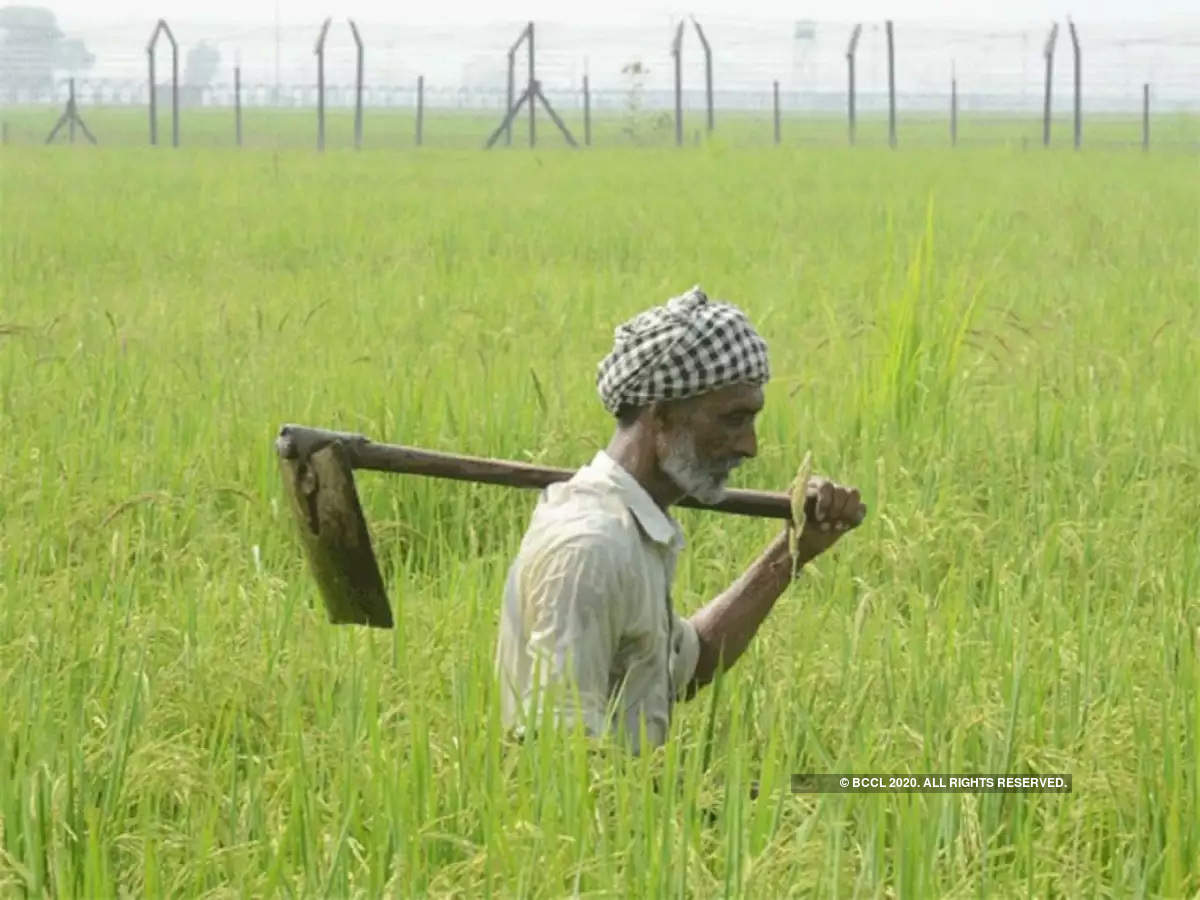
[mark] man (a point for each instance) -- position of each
(587, 625)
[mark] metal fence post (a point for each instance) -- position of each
(532, 79)
(70, 118)
(237, 102)
(1078, 86)
(508, 104)
(1048, 52)
(677, 51)
(420, 109)
(775, 92)
(319, 50)
(953, 108)
(1146, 116)
(525, 35)
(587, 114)
(358, 86)
(153, 98)
(174, 94)
(891, 86)
(532, 95)
(850, 51)
(162, 28)
(708, 72)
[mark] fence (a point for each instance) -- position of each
(379, 85)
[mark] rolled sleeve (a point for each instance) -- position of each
(574, 592)
(685, 654)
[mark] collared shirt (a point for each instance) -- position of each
(587, 607)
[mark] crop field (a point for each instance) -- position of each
(395, 128)
(1000, 347)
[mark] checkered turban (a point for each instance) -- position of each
(689, 346)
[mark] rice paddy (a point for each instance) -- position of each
(999, 347)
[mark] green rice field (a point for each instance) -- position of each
(999, 346)
(396, 128)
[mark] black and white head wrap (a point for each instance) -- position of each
(689, 346)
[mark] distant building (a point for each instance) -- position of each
(33, 50)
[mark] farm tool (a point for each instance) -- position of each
(318, 476)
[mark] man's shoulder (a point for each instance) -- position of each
(582, 514)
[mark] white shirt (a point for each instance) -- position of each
(588, 598)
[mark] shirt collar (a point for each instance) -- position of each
(659, 526)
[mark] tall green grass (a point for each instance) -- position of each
(1000, 350)
(394, 129)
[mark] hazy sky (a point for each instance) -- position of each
(74, 12)
(990, 43)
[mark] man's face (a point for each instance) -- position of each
(702, 439)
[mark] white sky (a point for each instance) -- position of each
(994, 45)
(86, 12)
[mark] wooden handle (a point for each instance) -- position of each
(298, 441)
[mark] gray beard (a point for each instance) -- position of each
(701, 480)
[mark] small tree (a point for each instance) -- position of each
(635, 73)
(32, 49)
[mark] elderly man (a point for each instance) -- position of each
(587, 625)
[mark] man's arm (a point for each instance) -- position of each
(726, 625)
(729, 622)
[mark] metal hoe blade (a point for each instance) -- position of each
(324, 499)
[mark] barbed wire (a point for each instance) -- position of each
(465, 66)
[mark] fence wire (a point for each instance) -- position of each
(998, 75)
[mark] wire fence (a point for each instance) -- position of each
(785, 81)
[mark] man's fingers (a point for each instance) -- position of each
(825, 497)
(832, 499)
(833, 507)
(813, 507)
(837, 503)
(852, 516)
(851, 501)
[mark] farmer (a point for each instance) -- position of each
(587, 621)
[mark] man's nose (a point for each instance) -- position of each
(747, 445)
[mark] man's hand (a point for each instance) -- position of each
(830, 510)
(726, 625)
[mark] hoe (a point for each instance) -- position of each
(318, 474)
